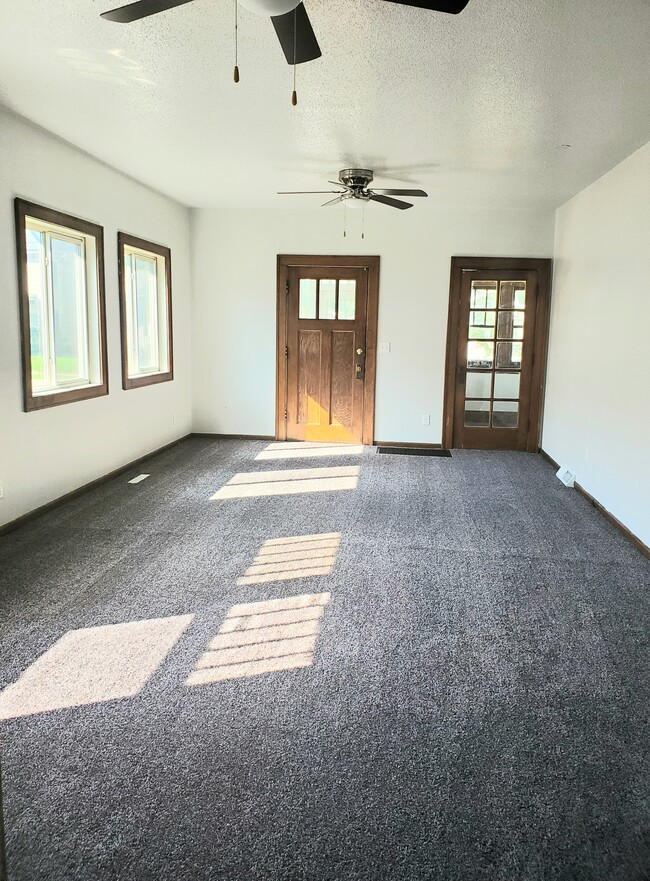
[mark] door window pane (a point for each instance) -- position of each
(512, 295)
(477, 414)
(307, 300)
(68, 309)
(506, 385)
(478, 385)
(508, 355)
(481, 325)
(505, 414)
(510, 326)
(483, 295)
(347, 299)
(480, 353)
(327, 298)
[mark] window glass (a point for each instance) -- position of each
(69, 310)
(146, 313)
(59, 326)
(38, 323)
(147, 345)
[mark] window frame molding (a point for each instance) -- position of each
(131, 382)
(24, 209)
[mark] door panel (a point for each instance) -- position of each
(497, 330)
(326, 345)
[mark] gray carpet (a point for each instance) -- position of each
(475, 703)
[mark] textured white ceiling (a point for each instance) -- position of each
(473, 107)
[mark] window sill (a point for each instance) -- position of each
(43, 400)
(130, 382)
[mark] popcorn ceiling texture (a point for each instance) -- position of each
(473, 107)
(472, 705)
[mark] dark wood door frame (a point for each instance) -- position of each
(524, 264)
(371, 264)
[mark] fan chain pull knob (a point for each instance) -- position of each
(294, 97)
(236, 74)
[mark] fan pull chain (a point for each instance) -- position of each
(294, 94)
(236, 72)
(345, 220)
(363, 221)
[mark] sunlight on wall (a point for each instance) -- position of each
(298, 556)
(306, 450)
(289, 482)
(263, 637)
(93, 665)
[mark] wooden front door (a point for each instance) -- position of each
(495, 356)
(326, 356)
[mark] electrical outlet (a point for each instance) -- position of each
(2, 491)
(173, 419)
(426, 419)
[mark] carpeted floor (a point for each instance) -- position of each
(461, 691)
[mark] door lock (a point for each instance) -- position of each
(359, 351)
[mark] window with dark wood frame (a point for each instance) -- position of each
(145, 278)
(63, 316)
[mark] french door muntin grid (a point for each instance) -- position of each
(327, 298)
(494, 354)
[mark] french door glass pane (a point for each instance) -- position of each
(68, 310)
(508, 356)
(506, 385)
(146, 311)
(505, 414)
(478, 385)
(484, 295)
(480, 353)
(481, 325)
(327, 298)
(512, 295)
(477, 414)
(307, 299)
(510, 326)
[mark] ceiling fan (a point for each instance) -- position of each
(289, 18)
(353, 183)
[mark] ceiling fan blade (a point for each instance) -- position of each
(394, 203)
(401, 192)
(294, 30)
(306, 192)
(335, 201)
(141, 9)
(451, 6)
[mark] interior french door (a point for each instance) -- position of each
(496, 343)
(326, 370)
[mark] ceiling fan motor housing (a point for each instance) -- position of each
(356, 178)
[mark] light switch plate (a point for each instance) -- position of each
(383, 348)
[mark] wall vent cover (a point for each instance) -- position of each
(566, 477)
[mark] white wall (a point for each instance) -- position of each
(234, 302)
(597, 408)
(47, 453)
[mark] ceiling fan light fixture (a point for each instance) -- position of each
(269, 7)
